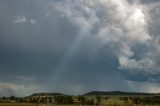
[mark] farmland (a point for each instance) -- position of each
(30, 104)
(34, 104)
(116, 98)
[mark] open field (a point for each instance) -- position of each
(33, 104)
(30, 104)
(91, 99)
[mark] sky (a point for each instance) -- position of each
(77, 46)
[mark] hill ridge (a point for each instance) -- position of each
(100, 93)
(118, 93)
(46, 94)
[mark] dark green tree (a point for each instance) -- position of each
(82, 100)
(98, 99)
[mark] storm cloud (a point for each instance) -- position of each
(77, 46)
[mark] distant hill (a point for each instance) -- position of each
(47, 94)
(101, 93)
(119, 93)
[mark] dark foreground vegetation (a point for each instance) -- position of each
(116, 98)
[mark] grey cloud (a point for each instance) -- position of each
(24, 78)
(144, 86)
(150, 1)
(10, 89)
(117, 39)
(123, 32)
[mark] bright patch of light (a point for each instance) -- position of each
(138, 15)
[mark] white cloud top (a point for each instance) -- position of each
(20, 19)
(119, 24)
(104, 39)
(23, 19)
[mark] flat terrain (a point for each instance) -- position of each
(32, 104)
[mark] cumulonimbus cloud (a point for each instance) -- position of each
(127, 29)
(121, 25)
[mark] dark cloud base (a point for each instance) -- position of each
(35, 37)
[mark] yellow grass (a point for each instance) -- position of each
(114, 102)
(30, 104)
(17, 104)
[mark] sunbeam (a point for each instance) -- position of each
(56, 75)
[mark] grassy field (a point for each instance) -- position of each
(17, 104)
(32, 104)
